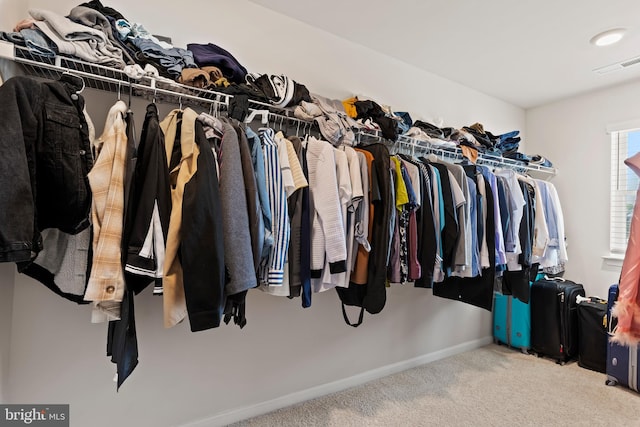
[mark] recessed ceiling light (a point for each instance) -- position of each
(608, 37)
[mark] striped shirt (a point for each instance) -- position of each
(272, 270)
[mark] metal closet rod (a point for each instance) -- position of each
(280, 114)
(221, 98)
(96, 73)
(407, 145)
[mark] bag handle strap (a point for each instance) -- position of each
(346, 317)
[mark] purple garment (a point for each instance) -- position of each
(210, 54)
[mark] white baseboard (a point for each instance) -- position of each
(243, 413)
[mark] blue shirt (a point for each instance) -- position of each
(257, 158)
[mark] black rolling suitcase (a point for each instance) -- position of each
(592, 334)
(554, 318)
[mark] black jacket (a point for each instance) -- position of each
(450, 231)
(427, 245)
(149, 206)
(202, 247)
(376, 297)
(44, 160)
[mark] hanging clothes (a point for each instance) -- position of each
(257, 158)
(293, 180)
(182, 152)
(450, 229)
(328, 241)
(415, 269)
(144, 237)
(330, 277)
(254, 206)
(477, 291)
(517, 203)
(194, 273)
(240, 269)
(64, 263)
(498, 236)
(272, 270)
(364, 227)
(396, 272)
(519, 272)
(462, 255)
(60, 193)
(427, 242)
(375, 298)
(106, 283)
(555, 254)
(295, 207)
(149, 211)
(357, 196)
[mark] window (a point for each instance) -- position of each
(624, 183)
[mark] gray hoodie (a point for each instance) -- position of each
(94, 19)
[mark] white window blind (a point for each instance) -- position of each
(624, 183)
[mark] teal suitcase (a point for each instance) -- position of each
(511, 322)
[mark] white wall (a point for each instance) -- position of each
(11, 13)
(572, 134)
(6, 317)
(57, 356)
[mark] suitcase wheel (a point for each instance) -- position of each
(611, 382)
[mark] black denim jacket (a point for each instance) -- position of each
(45, 156)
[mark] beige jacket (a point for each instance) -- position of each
(175, 307)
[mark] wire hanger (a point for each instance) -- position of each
(130, 96)
(432, 157)
(79, 78)
(253, 113)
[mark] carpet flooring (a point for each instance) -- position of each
(490, 386)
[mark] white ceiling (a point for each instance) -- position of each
(527, 53)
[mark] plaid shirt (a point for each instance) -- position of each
(106, 284)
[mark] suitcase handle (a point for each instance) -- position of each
(580, 299)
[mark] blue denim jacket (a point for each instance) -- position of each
(45, 156)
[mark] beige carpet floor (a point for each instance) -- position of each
(490, 386)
